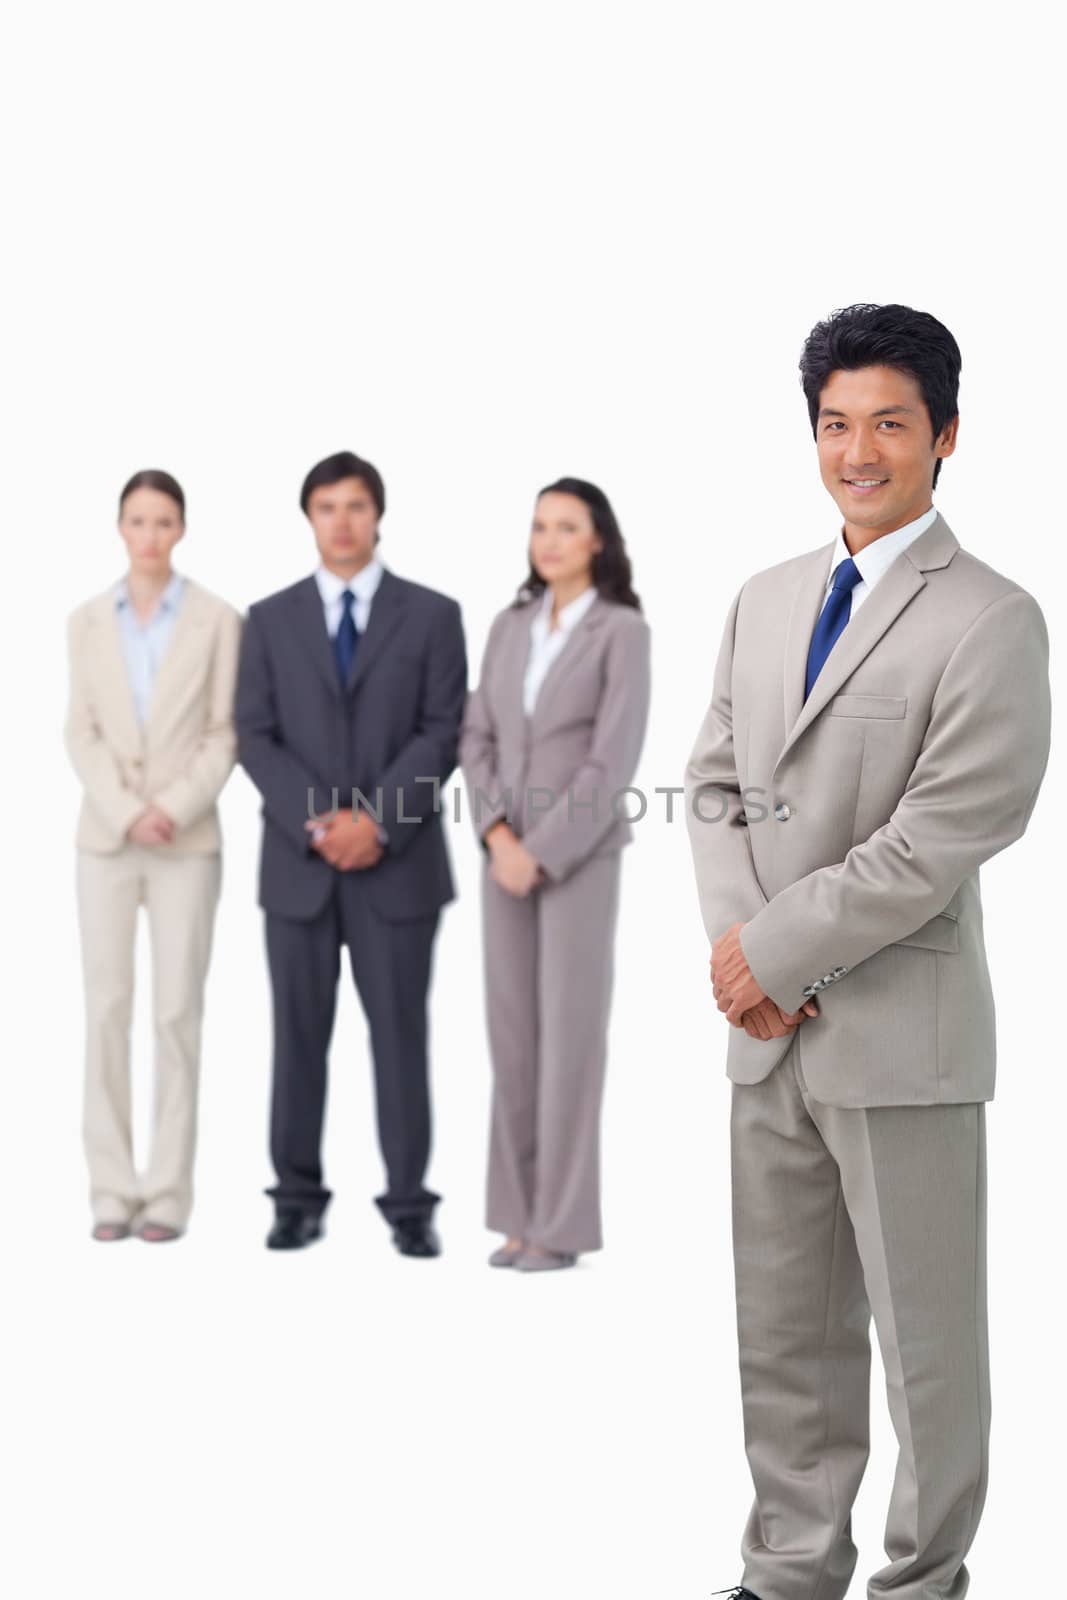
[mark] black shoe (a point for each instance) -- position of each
(737, 1594)
(294, 1229)
(416, 1236)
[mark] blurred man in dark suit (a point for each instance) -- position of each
(350, 695)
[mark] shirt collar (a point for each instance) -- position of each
(167, 600)
(569, 615)
(363, 585)
(877, 557)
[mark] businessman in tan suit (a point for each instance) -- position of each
(878, 728)
(153, 665)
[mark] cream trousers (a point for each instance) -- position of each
(180, 894)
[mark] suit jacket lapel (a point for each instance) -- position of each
(386, 610)
(515, 652)
(574, 647)
(187, 639)
(895, 590)
(111, 667)
(807, 603)
(310, 627)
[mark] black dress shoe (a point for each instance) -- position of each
(416, 1236)
(737, 1594)
(292, 1230)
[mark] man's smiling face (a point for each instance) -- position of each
(877, 451)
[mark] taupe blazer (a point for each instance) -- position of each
(852, 826)
(183, 755)
(554, 774)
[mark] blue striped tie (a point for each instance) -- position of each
(831, 624)
(346, 638)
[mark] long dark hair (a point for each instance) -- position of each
(152, 478)
(611, 564)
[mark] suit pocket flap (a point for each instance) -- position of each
(940, 933)
(868, 705)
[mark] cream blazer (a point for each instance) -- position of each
(183, 755)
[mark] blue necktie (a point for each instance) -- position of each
(835, 613)
(346, 637)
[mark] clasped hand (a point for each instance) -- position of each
(348, 840)
(740, 997)
(510, 863)
(153, 826)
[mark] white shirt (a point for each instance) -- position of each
(143, 643)
(875, 560)
(363, 586)
(545, 645)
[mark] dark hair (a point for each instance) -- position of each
(151, 478)
(611, 564)
(885, 336)
(335, 469)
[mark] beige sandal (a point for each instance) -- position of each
(110, 1232)
(158, 1232)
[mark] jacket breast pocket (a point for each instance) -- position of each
(885, 707)
(405, 660)
(940, 933)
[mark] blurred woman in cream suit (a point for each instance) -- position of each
(153, 664)
(551, 738)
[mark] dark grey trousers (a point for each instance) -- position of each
(390, 964)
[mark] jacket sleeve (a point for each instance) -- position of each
(194, 793)
(970, 795)
(411, 784)
(282, 780)
(568, 832)
(478, 747)
(727, 886)
(116, 805)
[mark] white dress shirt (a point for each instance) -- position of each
(546, 644)
(363, 586)
(875, 560)
(143, 643)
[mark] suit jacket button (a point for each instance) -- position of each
(782, 811)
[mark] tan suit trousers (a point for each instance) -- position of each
(180, 894)
(840, 1212)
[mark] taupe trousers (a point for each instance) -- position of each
(549, 962)
(839, 1212)
(180, 894)
(548, 956)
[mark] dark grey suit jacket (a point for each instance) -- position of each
(396, 721)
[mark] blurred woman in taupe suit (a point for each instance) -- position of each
(550, 741)
(153, 667)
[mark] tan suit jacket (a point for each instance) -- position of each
(853, 825)
(554, 774)
(183, 755)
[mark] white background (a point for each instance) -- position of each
(482, 245)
